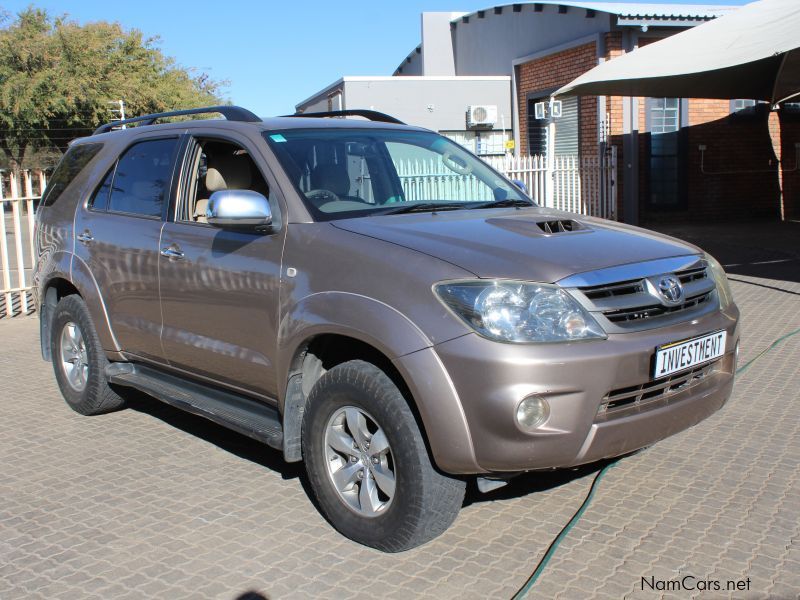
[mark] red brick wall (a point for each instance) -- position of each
(614, 112)
(555, 70)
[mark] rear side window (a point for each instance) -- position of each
(143, 176)
(73, 162)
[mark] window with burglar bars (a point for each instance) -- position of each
(664, 119)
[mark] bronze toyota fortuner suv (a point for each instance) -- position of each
(398, 330)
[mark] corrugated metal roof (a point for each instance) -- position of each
(637, 10)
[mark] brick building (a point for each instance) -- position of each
(698, 158)
(678, 159)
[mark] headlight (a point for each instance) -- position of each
(515, 311)
(721, 281)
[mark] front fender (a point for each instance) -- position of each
(399, 339)
(353, 315)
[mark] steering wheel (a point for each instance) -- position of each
(456, 164)
(321, 196)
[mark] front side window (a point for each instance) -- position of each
(343, 173)
(76, 158)
(143, 178)
(217, 165)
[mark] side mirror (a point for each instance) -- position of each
(238, 208)
(520, 184)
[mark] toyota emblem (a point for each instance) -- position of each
(670, 289)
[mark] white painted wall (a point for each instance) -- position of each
(488, 46)
(437, 44)
(432, 102)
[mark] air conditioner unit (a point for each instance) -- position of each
(481, 115)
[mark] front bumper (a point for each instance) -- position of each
(491, 379)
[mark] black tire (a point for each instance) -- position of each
(425, 501)
(95, 397)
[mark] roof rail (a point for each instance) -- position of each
(372, 115)
(231, 113)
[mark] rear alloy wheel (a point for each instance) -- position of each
(368, 464)
(73, 355)
(79, 360)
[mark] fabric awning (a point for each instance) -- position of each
(752, 52)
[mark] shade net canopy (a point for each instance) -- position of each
(752, 52)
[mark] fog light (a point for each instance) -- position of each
(532, 412)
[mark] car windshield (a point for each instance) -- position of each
(343, 173)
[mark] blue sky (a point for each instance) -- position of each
(274, 54)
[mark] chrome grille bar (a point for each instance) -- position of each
(654, 390)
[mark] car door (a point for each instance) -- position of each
(219, 288)
(117, 233)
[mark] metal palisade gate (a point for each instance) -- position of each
(580, 184)
(18, 195)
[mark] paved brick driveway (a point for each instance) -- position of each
(152, 503)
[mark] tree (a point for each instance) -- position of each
(57, 79)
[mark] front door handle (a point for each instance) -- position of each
(85, 237)
(172, 253)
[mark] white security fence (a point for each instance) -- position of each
(18, 196)
(584, 185)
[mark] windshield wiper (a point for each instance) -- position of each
(502, 203)
(411, 207)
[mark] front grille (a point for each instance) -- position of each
(622, 288)
(629, 303)
(640, 395)
(656, 310)
(692, 274)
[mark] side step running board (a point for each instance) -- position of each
(249, 417)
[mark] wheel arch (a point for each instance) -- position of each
(314, 357)
(54, 289)
(331, 328)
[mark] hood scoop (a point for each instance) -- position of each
(552, 226)
(539, 227)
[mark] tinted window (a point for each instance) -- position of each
(76, 158)
(143, 177)
(100, 199)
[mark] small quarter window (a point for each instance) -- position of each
(143, 177)
(100, 199)
(76, 158)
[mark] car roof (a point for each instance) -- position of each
(268, 124)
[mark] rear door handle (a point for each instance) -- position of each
(85, 237)
(172, 253)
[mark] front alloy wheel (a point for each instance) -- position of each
(359, 460)
(368, 464)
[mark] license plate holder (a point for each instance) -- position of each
(675, 357)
